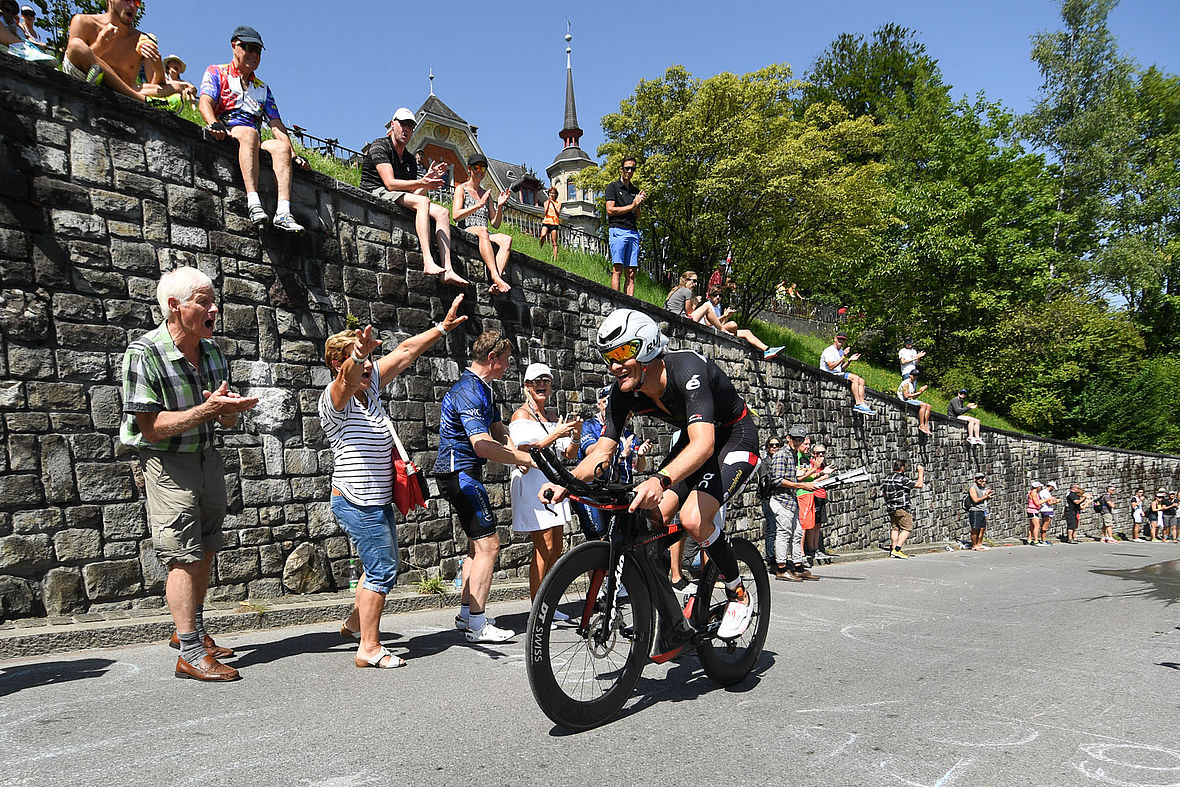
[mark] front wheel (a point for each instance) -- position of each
(728, 661)
(582, 662)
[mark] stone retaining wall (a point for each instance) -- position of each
(99, 195)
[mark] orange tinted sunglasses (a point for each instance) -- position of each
(624, 352)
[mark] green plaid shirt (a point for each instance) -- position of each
(158, 378)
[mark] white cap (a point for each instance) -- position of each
(404, 114)
(1037, 484)
(1052, 484)
(536, 370)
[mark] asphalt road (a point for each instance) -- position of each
(1009, 667)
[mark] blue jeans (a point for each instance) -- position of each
(375, 532)
(624, 247)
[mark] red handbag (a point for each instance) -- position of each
(409, 486)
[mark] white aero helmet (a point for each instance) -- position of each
(633, 330)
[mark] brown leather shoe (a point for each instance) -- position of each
(208, 669)
(211, 647)
(803, 573)
(788, 576)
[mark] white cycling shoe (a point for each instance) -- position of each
(738, 613)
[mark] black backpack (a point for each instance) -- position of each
(1098, 506)
(967, 501)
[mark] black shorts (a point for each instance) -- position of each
(550, 227)
(1071, 520)
(726, 472)
(978, 520)
(466, 492)
(821, 510)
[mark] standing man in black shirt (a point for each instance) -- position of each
(390, 171)
(623, 199)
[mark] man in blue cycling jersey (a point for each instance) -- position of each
(714, 457)
(471, 434)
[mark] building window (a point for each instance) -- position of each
(571, 190)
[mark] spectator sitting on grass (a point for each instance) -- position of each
(234, 102)
(470, 205)
(106, 49)
(909, 392)
(958, 407)
(710, 312)
(28, 18)
(390, 171)
(173, 68)
(835, 360)
(909, 357)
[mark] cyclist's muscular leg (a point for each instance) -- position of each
(696, 516)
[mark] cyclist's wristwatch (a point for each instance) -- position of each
(665, 480)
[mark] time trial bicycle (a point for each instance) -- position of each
(607, 607)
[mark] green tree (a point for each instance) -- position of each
(1082, 120)
(733, 164)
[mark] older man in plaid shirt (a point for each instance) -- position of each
(175, 391)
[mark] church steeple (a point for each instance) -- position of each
(570, 133)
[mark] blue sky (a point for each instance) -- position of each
(502, 65)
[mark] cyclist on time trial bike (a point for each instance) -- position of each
(714, 457)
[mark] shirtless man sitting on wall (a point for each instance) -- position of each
(107, 49)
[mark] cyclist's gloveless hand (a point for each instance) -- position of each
(552, 493)
(647, 495)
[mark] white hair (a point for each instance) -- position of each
(181, 284)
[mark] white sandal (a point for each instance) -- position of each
(375, 660)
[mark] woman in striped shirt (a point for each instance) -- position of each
(361, 436)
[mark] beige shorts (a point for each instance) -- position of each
(186, 503)
(68, 67)
(901, 520)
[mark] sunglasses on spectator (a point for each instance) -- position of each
(628, 169)
(774, 445)
(255, 49)
(624, 352)
(818, 453)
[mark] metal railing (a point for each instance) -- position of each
(327, 147)
(803, 309)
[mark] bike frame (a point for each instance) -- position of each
(626, 538)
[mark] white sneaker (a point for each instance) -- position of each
(737, 616)
(489, 633)
(464, 624)
(560, 617)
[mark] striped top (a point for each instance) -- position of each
(158, 378)
(362, 447)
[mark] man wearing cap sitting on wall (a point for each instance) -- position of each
(909, 392)
(835, 360)
(173, 68)
(235, 102)
(106, 49)
(390, 171)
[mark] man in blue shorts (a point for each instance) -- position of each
(623, 199)
(470, 435)
(235, 103)
(711, 461)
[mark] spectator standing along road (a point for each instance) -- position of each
(623, 199)
(980, 493)
(1075, 500)
(896, 489)
(1138, 507)
(361, 436)
(1105, 508)
(765, 493)
(813, 539)
(235, 102)
(1048, 498)
(390, 171)
(470, 435)
(1032, 508)
(533, 425)
(175, 393)
(784, 479)
(835, 360)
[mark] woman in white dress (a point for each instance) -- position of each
(533, 424)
